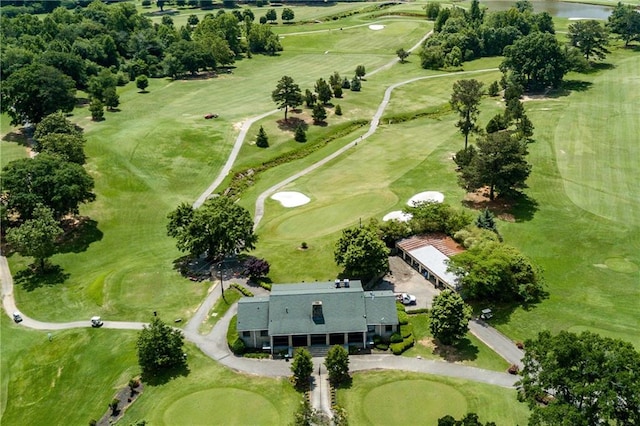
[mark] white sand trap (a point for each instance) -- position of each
(579, 19)
(290, 198)
(432, 196)
(397, 215)
(376, 27)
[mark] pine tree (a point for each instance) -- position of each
(338, 110)
(300, 135)
(319, 114)
(262, 140)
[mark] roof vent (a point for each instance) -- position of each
(346, 282)
(337, 283)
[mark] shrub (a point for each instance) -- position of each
(403, 317)
(406, 330)
(338, 110)
(355, 84)
(256, 355)
(262, 140)
(266, 286)
(398, 348)
(300, 135)
(236, 344)
(513, 369)
(146, 3)
(520, 345)
(245, 291)
(304, 245)
(396, 338)
(97, 109)
(381, 346)
(418, 311)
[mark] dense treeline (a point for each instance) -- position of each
(100, 46)
(462, 35)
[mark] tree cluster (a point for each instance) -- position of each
(216, 229)
(469, 419)
(580, 379)
(38, 192)
(490, 270)
(463, 35)
(100, 46)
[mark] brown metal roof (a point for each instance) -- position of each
(445, 244)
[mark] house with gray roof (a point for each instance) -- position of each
(316, 314)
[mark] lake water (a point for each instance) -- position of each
(558, 9)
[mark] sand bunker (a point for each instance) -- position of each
(376, 27)
(290, 198)
(431, 196)
(397, 215)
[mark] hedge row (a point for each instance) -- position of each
(403, 318)
(398, 348)
(245, 291)
(243, 179)
(266, 286)
(234, 341)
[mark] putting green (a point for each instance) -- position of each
(403, 402)
(222, 406)
(621, 265)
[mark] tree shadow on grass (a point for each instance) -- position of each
(30, 279)
(596, 67)
(515, 207)
(292, 124)
(569, 86)
(79, 234)
(464, 350)
(164, 377)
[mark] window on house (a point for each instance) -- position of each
(371, 328)
(388, 328)
(264, 333)
(246, 334)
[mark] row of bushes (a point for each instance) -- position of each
(266, 286)
(432, 112)
(243, 179)
(398, 348)
(245, 291)
(234, 341)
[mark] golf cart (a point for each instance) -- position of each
(486, 314)
(96, 322)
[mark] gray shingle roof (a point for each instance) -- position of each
(253, 313)
(289, 309)
(381, 308)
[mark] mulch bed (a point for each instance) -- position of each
(125, 399)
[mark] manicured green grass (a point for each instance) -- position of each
(219, 309)
(400, 398)
(212, 394)
(470, 351)
(68, 380)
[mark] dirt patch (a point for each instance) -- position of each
(500, 207)
(448, 353)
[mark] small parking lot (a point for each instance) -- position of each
(404, 279)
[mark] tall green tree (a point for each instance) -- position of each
(55, 123)
(465, 98)
(536, 60)
(160, 348)
(319, 113)
(469, 419)
(36, 237)
(362, 253)
(489, 270)
(271, 15)
(35, 91)
(288, 14)
(142, 82)
(500, 164)
(69, 147)
(217, 228)
(625, 22)
(49, 180)
(302, 368)
(590, 37)
(402, 55)
(449, 317)
(360, 71)
(323, 90)
(287, 94)
(337, 363)
(585, 378)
